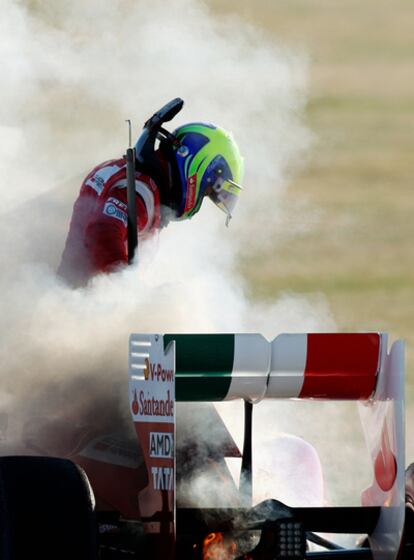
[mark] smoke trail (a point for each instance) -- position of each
(75, 71)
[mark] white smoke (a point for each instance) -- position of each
(75, 71)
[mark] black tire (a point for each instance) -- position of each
(46, 510)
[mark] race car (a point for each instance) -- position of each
(114, 486)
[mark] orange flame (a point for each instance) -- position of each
(215, 547)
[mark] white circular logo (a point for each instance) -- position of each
(183, 151)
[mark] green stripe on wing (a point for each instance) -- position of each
(204, 365)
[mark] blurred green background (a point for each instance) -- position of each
(359, 252)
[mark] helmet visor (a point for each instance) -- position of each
(225, 194)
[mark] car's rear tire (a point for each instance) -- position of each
(46, 510)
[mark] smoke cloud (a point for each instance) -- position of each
(74, 72)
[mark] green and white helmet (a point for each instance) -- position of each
(209, 164)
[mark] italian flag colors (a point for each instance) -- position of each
(217, 367)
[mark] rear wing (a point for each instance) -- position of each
(164, 369)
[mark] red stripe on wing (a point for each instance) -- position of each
(341, 366)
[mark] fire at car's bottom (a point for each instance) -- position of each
(271, 531)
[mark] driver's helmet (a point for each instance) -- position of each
(209, 164)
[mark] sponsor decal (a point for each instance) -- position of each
(156, 372)
(385, 465)
(146, 369)
(98, 180)
(118, 203)
(147, 405)
(135, 405)
(97, 183)
(161, 445)
(191, 192)
(113, 211)
(162, 478)
(183, 151)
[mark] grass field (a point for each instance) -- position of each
(359, 252)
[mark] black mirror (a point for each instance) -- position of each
(165, 114)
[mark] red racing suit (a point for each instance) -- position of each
(97, 238)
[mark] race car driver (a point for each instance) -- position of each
(171, 182)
